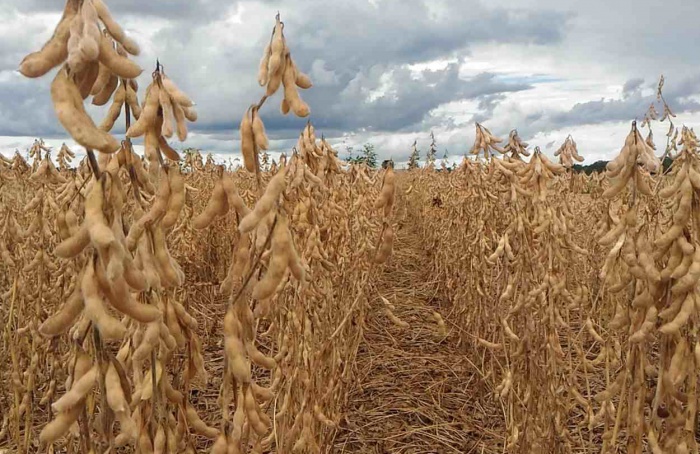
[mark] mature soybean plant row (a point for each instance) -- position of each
(107, 283)
(580, 305)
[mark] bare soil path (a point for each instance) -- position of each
(415, 391)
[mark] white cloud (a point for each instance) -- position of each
(389, 71)
(321, 75)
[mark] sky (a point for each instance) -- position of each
(388, 72)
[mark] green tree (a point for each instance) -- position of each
(350, 158)
(414, 160)
(367, 156)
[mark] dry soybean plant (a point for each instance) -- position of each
(118, 309)
(136, 291)
(630, 267)
(292, 249)
(265, 226)
(535, 251)
(485, 142)
(568, 155)
(298, 278)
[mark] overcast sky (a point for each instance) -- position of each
(389, 72)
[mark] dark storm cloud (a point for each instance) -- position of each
(631, 106)
(487, 104)
(408, 100)
(355, 34)
(632, 86)
(14, 40)
(356, 43)
(178, 10)
(360, 53)
(25, 108)
(406, 104)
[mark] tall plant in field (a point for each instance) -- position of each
(125, 266)
(485, 143)
(414, 159)
(432, 152)
(263, 230)
(575, 305)
(675, 399)
(535, 252)
(35, 152)
(568, 155)
(516, 148)
(64, 157)
(630, 270)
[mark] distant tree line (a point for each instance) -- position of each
(599, 166)
(366, 155)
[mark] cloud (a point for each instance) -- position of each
(632, 86)
(179, 10)
(354, 35)
(26, 107)
(388, 71)
(632, 105)
(487, 105)
(217, 67)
